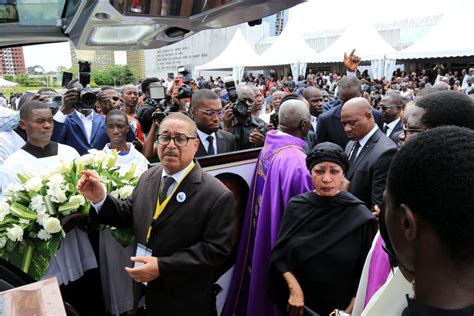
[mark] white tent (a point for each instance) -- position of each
(444, 40)
(235, 56)
(289, 48)
(7, 84)
(369, 45)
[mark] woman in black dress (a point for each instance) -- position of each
(324, 238)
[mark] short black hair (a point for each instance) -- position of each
(447, 108)
(29, 106)
(116, 112)
(203, 94)
(349, 82)
(146, 83)
(434, 175)
(46, 89)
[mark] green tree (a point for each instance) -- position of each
(115, 75)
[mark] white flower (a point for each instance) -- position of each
(115, 194)
(44, 235)
(4, 210)
(125, 191)
(11, 189)
(57, 195)
(56, 180)
(15, 233)
(77, 199)
(66, 166)
(3, 241)
(52, 225)
(37, 204)
(87, 159)
(34, 184)
(41, 217)
(100, 158)
(24, 221)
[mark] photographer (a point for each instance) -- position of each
(147, 108)
(249, 131)
(77, 125)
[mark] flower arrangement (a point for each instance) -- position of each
(32, 213)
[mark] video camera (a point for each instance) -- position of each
(240, 108)
(184, 91)
(87, 96)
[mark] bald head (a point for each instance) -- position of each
(294, 118)
(356, 118)
(441, 86)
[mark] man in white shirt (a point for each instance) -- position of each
(391, 107)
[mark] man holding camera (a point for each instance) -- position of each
(206, 109)
(249, 131)
(77, 125)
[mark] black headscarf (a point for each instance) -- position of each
(327, 152)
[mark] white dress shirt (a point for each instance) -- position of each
(366, 138)
(86, 121)
(391, 126)
(203, 138)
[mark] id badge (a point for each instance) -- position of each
(142, 251)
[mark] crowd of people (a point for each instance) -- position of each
(363, 188)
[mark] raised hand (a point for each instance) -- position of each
(352, 61)
(90, 186)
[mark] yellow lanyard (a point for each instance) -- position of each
(160, 207)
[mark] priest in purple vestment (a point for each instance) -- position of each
(280, 174)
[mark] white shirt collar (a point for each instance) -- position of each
(391, 126)
(366, 138)
(83, 117)
(178, 176)
(203, 138)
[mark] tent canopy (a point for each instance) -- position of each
(288, 48)
(365, 39)
(7, 84)
(443, 40)
(237, 54)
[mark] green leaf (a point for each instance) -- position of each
(124, 236)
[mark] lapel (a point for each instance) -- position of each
(397, 127)
(97, 120)
(76, 120)
(337, 112)
(201, 150)
(366, 149)
(189, 186)
(221, 143)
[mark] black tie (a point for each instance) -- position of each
(385, 129)
(353, 158)
(210, 149)
(166, 182)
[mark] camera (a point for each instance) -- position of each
(87, 96)
(163, 111)
(240, 108)
(184, 91)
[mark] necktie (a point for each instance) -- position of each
(166, 182)
(353, 158)
(210, 149)
(385, 129)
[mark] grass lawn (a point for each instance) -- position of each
(8, 91)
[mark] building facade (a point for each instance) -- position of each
(136, 60)
(12, 61)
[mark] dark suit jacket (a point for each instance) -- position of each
(396, 132)
(329, 128)
(73, 133)
(189, 238)
(225, 143)
(367, 176)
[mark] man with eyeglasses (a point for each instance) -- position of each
(206, 110)
(391, 107)
(183, 220)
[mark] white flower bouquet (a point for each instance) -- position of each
(31, 213)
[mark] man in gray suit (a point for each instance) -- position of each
(206, 109)
(182, 214)
(391, 107)
(370, 152)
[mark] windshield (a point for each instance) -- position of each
(31, 12)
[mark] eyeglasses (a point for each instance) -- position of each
(179, 140)
(385, 107)
(212, 113)
(407, 129)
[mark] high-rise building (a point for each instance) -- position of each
(102, 59)
(277, 22)
(12, 61)
(136, 60)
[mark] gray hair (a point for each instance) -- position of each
(292, 112)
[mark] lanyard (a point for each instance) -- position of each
(160, 207)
